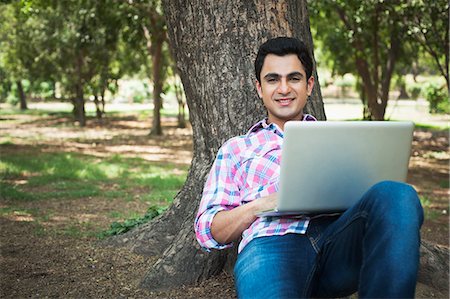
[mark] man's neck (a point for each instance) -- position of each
(281, 123)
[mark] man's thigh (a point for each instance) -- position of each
(371, 245)
(339, 259)
(275, 267)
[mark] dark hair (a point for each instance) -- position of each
(282, 46)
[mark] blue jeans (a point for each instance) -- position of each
(372, 249)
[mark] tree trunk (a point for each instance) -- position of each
(388, 70)
(79, 105)
(434, 266)
(156, 36)
(376, 86)
(376, 109)
(403, 93)
(22, 97)
(80, 112)
(156, 50)
(215, 43)
(98, 111)
(102, 97)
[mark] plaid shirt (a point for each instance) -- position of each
(246, 168)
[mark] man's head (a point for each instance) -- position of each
(283, 69)
(282, 46)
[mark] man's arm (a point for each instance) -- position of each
(228, 226)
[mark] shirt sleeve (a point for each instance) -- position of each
(220, 193)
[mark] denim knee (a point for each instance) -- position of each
(396, 199)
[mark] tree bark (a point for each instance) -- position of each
(79, 105)
(156, 36)
(434, 266)
(157, 86)
(80, 112)
(22, 97)
(98, 111)
(215, 43)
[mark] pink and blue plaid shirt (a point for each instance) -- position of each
(246, 168)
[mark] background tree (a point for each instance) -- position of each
(428, 25)
(18, 54)
(152, 31)
(88, 34)
(73, 43)
(28, 63)
(363, 36)
(215, 43)
(85, 46)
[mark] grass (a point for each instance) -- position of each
(424, 126)
(36, 178)
(42, 177)
(36, 112)
(78, 175)
(17, 211)
(12, 192)
(65, 110)
(117, 228)
(444, 184)
(431, 213)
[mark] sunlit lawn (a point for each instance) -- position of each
(34, 182)
(68, 177)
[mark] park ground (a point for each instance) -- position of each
(49, 241)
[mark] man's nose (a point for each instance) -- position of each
(283, 87)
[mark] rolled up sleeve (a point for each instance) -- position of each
(219, 194)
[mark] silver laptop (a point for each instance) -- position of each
(327, 166)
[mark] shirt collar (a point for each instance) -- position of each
(262, 124)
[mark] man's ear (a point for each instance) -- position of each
(258, 88)
(310, 85)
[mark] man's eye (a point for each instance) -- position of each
(295, 79)
(271, 80)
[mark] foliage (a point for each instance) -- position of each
(444, 128)
(345, 83)
(362, 39)
(438, 99)
(377, 39)
(427, 24)
(415, 91)
(84, 47)
(118, 228)
(18, 56)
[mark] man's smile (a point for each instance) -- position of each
(284, 101)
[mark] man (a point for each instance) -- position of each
(372, 248)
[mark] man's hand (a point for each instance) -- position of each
(265, 203)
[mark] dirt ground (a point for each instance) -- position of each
(34, 264)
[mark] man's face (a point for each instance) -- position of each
(284, 88)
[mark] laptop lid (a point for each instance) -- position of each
(327, 166)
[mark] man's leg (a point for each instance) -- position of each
(373, 247)
(274, 267)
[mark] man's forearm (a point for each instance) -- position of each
(228, 226)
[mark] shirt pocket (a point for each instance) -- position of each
(260, 167)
